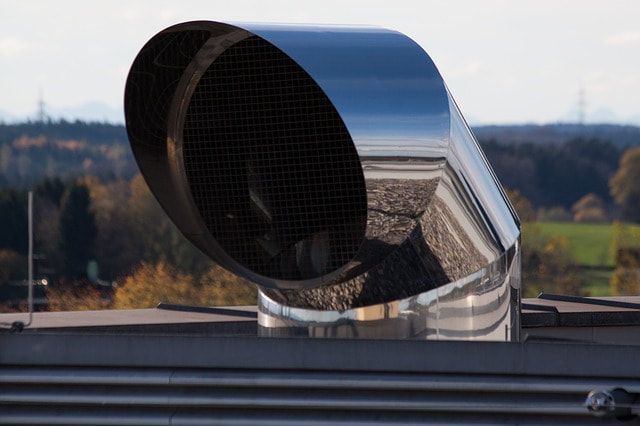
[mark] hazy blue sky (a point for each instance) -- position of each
(505, 62)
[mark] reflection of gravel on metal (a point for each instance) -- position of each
(388, 228)
(459, 257)
(394, 206)
(408, 270)
(338, 297)
(410, 259)
(400, 197)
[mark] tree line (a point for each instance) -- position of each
(555, 175)
(107, 244)
(33, 151)
(101, 238)
(548, 264)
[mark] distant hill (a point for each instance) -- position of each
(32, 151)
(554, 165)
(619, 135)
(94, 131)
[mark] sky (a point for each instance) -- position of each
(504, 61)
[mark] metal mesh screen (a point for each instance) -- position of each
(151, 83)
(271, 166)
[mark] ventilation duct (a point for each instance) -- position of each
(330, 166)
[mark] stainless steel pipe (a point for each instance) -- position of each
(330, 166)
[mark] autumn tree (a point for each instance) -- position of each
(157, 235)
(118, 243)
(625, 282)
(625, 185)
(223, 288)
(553, 214)
(75, 298)
(548, 265)
(523, 206)
(46, 219)
(151, 284)
(77, 230)
(133, 228)
(625, 246)
(624, 236)
(589, 208)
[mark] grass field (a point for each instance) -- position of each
(590, 244)
(596, 281)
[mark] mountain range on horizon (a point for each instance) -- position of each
(90, 111)
(619, 135)
(97, 111)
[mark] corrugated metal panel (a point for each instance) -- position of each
(65, 378)
(88, 395)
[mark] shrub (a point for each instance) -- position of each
(151, 284)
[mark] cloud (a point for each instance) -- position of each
(167, 13)
(630, 37)
(10, 46)
(136, 14)
(467, 69)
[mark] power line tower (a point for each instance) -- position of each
(42, 112)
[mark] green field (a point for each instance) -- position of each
(596, 282)
(590, 244)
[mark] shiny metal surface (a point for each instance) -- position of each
(480, 306)
(438, 251)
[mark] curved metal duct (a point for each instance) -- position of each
(330, 166)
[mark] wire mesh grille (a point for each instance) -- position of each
(151, 84)
(271, 166)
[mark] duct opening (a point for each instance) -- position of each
(271, 166)
(151, 83)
